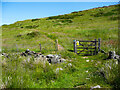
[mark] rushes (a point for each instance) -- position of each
(111, 72)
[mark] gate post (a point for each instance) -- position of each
(75, 49)
(95, 46)
(98, 44)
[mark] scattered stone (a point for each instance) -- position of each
(69, 64)
(86, 71)
(87, 60)
(98, 86)
(91, 60)
(58, 69)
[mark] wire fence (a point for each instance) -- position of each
(48, 46)
(37, 47)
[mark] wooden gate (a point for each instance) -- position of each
(87, 47)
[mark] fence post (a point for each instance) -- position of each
(56, 44)
(75, 49)
(40, 47)
(98, 44)
(95, 46)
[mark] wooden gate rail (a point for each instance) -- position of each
(95, 45)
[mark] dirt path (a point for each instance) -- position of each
(60, 47)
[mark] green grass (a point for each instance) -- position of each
(18, 73)
(83, 25)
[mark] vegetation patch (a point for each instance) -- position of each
(19, 35)
(52, 36)
(62, 17)
(62, 22)
(110, 72)
(114, 18)
(30, 27)
(33, 34)
(72, 16)
(102, 13)
(29, 35)
(35, 20)
(65, 21)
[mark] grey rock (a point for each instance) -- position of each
(50, 56)
(5, 55)
(112, 55)
(53, 58)
(98, 86)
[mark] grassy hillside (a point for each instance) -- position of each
(83, 25)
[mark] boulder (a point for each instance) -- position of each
(112, 55)
(98, 86)
(53, 58)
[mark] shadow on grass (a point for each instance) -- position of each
(80, 54)
(70, 50)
